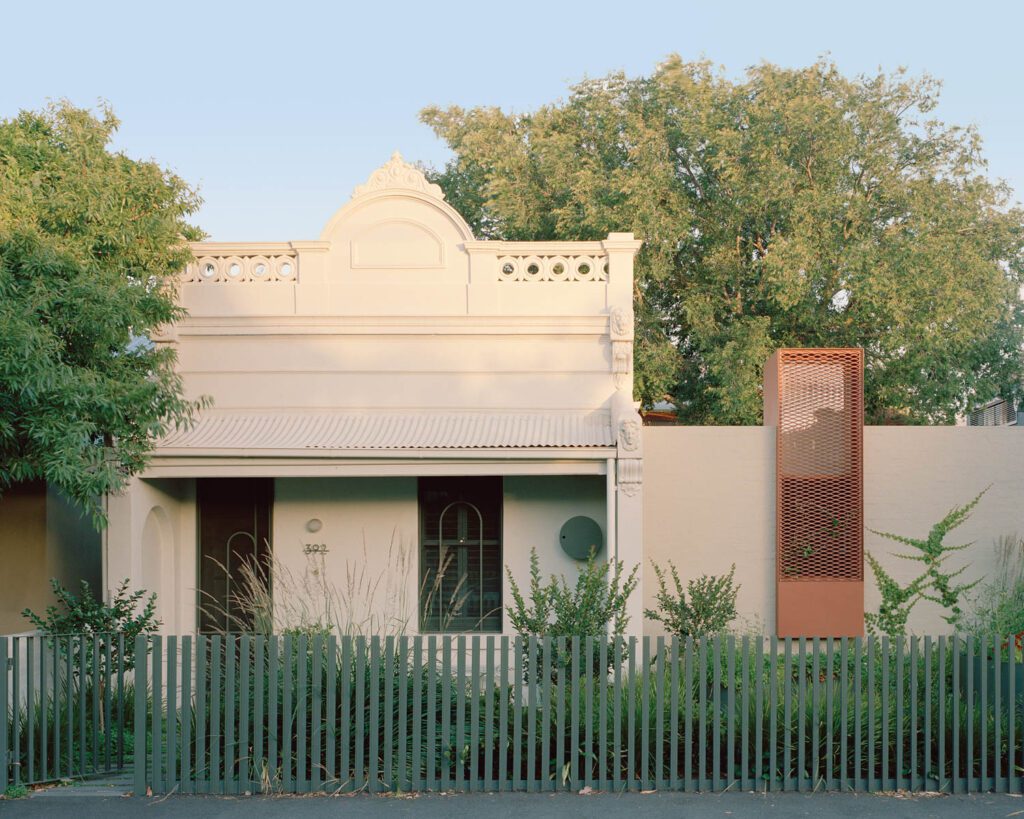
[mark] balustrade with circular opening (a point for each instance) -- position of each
(242, 269)
(552, 269)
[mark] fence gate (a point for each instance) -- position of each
(66, 703)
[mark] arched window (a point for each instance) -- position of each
(460, 554)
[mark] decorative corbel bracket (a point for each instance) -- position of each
(630, 476)
(620, 331)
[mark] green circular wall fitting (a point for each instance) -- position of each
(580, 536)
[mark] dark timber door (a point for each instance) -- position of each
(234, 550)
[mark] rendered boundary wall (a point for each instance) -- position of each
(709, 502)
(42, 535)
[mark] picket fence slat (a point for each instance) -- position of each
(345, 769)
(141, 667)
(359, 771)
(186, 776)
(1011, 710)
(545, 705)
(375, 681)
(202, 772)
(447, 742)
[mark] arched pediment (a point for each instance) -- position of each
(397, 192)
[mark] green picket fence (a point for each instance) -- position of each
(235, 714)
(65, 702)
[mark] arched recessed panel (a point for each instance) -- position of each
(158, 569)
(397, 244)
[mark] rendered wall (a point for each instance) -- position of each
(151, 540)
(72, 543)
(24, 581)
(370, 527)
(42, 535)
(708, 503)
(401, 364)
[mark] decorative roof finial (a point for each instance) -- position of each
(396, 173)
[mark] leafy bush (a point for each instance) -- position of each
(706, 606)
(999, 607)
(84, 614)
(933, 584)
(594, 607)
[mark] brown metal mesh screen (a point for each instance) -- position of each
(820, 465)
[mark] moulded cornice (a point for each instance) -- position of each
(393, 325)
(621, 241)
(246, 248)
(312, 246)
(535, 248)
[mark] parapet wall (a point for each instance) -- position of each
(709, 502)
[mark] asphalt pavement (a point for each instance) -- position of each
(93, 804)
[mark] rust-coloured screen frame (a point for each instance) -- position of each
(819, 489)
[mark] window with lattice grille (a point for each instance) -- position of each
(460, 554)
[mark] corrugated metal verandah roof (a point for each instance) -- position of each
(368, 430)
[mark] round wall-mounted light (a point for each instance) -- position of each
(314, 525)
(580, 537)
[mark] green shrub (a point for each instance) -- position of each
(84, 614)
(706, 606)
(934, 584)
(15, 792)
(999, 607)
(595, 606)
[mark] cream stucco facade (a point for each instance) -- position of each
(393, 348)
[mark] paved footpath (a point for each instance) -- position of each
(84, 803)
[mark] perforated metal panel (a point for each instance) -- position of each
(997, 413)
(815, 398)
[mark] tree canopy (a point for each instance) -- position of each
(91, 245)
(791, 207)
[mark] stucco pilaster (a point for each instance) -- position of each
(121, 549)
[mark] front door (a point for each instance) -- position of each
(234, 553)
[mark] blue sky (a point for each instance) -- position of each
(276, 111)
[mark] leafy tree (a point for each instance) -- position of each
(792, 207)
(91, 244)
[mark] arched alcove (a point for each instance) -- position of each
(159, 564)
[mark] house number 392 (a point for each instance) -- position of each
(315, 549)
